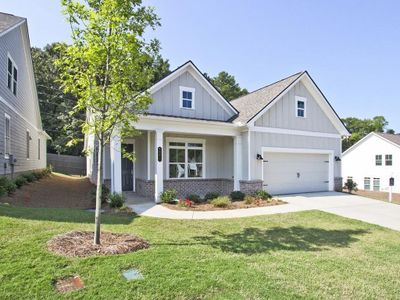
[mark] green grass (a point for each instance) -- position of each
(299, 255)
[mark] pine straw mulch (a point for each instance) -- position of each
(233, 205)
(80, 244)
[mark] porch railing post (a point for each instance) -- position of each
(159, 163)
(115, 155)
(237, 162)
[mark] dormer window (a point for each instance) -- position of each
(186, 97)
(12, 75)
(301, 107)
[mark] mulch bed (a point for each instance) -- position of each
(233, 205)
(80, 243)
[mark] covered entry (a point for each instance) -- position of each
(292, 171)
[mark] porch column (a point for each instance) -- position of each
(237, 162)
(159, 170)
(115, 155)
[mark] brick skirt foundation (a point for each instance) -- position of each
(250, 186)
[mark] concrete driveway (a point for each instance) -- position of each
(350, 206)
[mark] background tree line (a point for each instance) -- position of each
(55, 105)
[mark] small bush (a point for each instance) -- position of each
(211, 196)
(351, 186)
(8, 185)
(237, 196)
(249, 199)
(223, 201)
(29, 177)
(104, 195)
(194, 198)
(262, 194)
(20, 181)
(38, 175)
(185, 203)
(168, 196)
(2, 191)
(116, 200)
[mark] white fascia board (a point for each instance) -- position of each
(12, 27)
(368, 136)
(179, 125)
(294, 132)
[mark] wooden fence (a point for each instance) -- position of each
(67, 164)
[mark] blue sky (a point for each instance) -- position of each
(351, 48)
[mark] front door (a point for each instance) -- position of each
(127, 169)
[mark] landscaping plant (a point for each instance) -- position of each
(168, 196)
(20, 181)
(262, 194)
(185, 203)
(249, 199)
(8, 185)
(222, 201)
(237, 196)
(350, 186)
(194, 198)
(116, 200)
(210, 196)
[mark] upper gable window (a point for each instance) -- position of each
(301, 103)
(186, 97)
(12, 78)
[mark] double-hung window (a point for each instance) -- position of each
(186, 97)
(12, 75)
(388, 159)
(301, 107)
(367, 183)
(186, 158)
(7, 136)
(377, 184)
(378, 160)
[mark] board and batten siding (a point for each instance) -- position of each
(283, 113)
(261, 139)
(24, 114)
(166, 101)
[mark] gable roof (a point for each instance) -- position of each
(8, 21)
(393, 139)
(251, 104)
(191, 67)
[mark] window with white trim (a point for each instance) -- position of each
(185, 158)
(301, 107)
(377, 184)
(186, 97)
(388, 159)
(378, 160)
(12, 75)
(7, 136)
(28, 143)
(367, 183)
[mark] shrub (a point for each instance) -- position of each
(237, 196)
(20, 181)
(211, 196)
(168, 196)
(2, 191)
(116, 200)
(262, 194)
(249, 199)
(29, 177)
(350, 185)
(104, 195)
(185, 203)
(8, 185)
(38, 175)
(223, 201)
(194, 198)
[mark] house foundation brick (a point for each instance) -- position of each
(185, 187)
(145, 187)
(338, 184)
(250, 186)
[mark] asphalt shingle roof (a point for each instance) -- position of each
(250, 104)
(7, 21)
(394, 138)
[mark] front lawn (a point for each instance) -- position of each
(299, 255)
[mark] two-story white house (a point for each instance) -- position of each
(284, 138)
(23, 140)
(372, 161)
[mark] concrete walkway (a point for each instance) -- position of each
(350, 206)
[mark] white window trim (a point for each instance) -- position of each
(391, 160)
(376, 165)
(14, 65)
(379, 184)
(6, 116)
(186, 141)
(28, 151)
(186, 89)
(303, 99)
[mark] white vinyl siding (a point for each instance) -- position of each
(28, 144)
(38, 149)
(7, 136)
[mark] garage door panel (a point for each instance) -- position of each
(286, 173)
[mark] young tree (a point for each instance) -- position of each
(227, 85)
(107, 67)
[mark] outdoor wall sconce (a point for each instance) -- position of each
(159, 154)
(259, 157)
(337, 158)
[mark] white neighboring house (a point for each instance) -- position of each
(284, 137)
(372, 161)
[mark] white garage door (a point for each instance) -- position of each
(288, 173)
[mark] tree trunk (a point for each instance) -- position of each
(98, 191)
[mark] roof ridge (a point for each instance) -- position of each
(270, 84)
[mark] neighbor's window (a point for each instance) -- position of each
(187, 97)
(28, 142)
(378, 160)
(7, 137)
(377, 184)
(38, 150)
(367, 183)
(185, 159)
(388, 159)
(12, 78)
(301, 107)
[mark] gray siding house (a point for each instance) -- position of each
(23, 141)
(284, 138)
